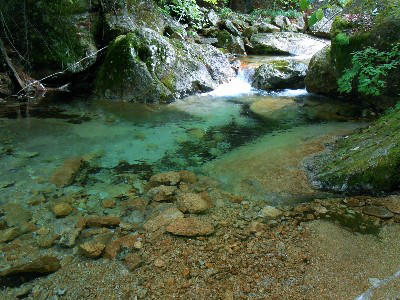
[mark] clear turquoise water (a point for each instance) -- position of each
(197, 133)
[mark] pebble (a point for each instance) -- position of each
(192, 203)
(270, 212)
(62, 209)
(133, 261)
(162, 193)
(163, 219)
(190, 227)
(108, 203)
(167, 178)
(92, 249)
(159, 263)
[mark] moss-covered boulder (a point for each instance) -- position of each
(367, 161)
(322, 76)
(144, 66)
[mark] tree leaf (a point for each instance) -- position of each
(304, 4)
(319, 14)
(313, 19)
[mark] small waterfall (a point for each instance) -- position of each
(238, 86)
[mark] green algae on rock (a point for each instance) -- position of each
(364, 162)
(143, 66)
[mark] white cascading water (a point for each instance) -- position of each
(240, 85)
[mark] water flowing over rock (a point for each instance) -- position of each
(285, 43)
(280, 75)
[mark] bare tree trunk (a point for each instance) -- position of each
(11, 66)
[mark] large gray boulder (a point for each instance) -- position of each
(321, 75)
(280, 75)
(284, 43)
(144, 66)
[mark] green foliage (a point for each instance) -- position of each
(270, 13)
(216, 3)
(342, 39)
(370, 68)
(187, 11)
(318, 15)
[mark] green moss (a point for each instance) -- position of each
(58, 42)
(125, 74)
(169, 81)
(281, 65)
(365, 161)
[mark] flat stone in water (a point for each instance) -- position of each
(378, 211)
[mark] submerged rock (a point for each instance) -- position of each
(274, 108)
(62, 209)
(66, 174)
(280, 75)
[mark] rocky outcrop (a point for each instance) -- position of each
(284, 43)
(143, 66)
(364, 162)
(321, 75)
(280, 75)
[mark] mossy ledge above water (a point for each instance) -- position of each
(367, 161)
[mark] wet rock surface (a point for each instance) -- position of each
(284, 43)
(364, 161)
(280, 75)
